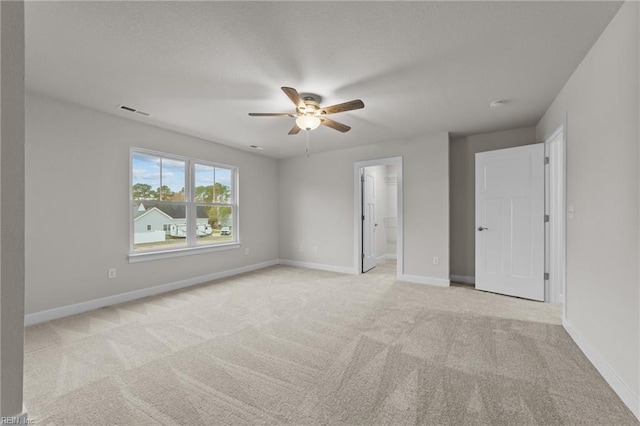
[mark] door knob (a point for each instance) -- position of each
(480, 228)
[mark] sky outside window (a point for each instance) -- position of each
(157, 172)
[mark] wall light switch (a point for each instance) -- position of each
(111, 273)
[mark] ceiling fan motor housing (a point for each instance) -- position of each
(311, 97)
(312, 101)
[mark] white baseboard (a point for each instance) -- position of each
(388, 256)
(463, 279)
(90, 305)
(319, 266)
(418, 279)
(606, 371)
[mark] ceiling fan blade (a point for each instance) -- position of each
(335, 125)
(271, 114)
(295, 130)
(346, 106)
(295, 97)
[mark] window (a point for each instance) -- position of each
(181, 203)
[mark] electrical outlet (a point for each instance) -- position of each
(300, 249)
(246, 251)
(315, 249)
(111, 273)
(436, 261)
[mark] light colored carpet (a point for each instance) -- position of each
(293, 346)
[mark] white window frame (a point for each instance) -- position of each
(191, 212)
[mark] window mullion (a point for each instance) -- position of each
(160, 198)
(191, 206)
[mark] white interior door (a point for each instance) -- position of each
(510, 221)
(369, 257)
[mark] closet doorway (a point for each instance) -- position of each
(378, 213)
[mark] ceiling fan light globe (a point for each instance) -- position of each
(308, 122)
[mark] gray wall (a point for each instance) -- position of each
(12, 220)
(462, 153)
(77, 189)
(317, 204)
(600, 101)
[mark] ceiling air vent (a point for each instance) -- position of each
(137, 111)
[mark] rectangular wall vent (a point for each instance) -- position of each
(137, 111)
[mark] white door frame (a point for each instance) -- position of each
(357, 219)
(556, 196)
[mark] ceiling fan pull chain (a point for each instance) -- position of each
(307, 138)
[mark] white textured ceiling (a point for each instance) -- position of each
(419, 67)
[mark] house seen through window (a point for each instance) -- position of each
(181, 202)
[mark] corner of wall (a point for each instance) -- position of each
(601, 98)
(637, 413)
(628, 397)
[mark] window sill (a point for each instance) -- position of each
(187, 251)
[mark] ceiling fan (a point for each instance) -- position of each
(309, 114)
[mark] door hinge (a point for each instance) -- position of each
(362, 256)
(363, 218)
(546, 218)
(546, 160)
(546, 276)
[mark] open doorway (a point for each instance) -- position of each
(378, 214)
